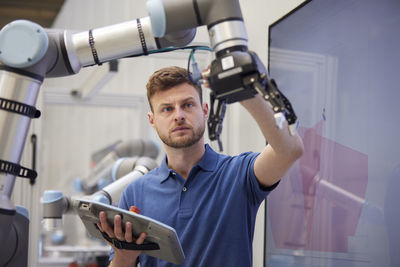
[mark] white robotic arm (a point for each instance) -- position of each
(25, 45)
(121, 159)
(55, 204)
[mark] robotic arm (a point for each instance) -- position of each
(121, 159)
(28, 54)
(55, 204)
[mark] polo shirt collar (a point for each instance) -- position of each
(163, 171)
(208, 163)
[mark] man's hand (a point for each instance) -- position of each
(122, 257)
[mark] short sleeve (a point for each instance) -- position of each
(256, 192)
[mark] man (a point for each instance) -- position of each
(210, 199)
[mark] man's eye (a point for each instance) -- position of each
(166, 109)
(189, 105)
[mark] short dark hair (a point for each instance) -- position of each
(166, 78)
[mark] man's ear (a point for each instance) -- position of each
(150, 116)
(205, 110)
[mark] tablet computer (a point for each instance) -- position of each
(169, 247)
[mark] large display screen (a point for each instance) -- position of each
(338, 62)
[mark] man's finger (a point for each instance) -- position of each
(119, 234)
(105, 226)
(128, 232)
(141, 238)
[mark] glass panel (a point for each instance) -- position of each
(338, 63)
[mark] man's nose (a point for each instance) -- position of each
(179, 115)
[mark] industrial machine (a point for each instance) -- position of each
(29, 54)
(55, 204)
(118, 162)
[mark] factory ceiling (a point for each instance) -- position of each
(42, 12)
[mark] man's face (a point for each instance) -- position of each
(178, 116)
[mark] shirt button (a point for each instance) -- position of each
(184, 189)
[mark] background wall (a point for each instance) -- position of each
(70, 131)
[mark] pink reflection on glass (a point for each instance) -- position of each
(318, 204)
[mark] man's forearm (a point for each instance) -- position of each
(283, 148)
(280, 139)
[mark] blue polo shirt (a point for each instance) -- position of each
(213, 211)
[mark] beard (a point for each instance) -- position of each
(185, 141)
